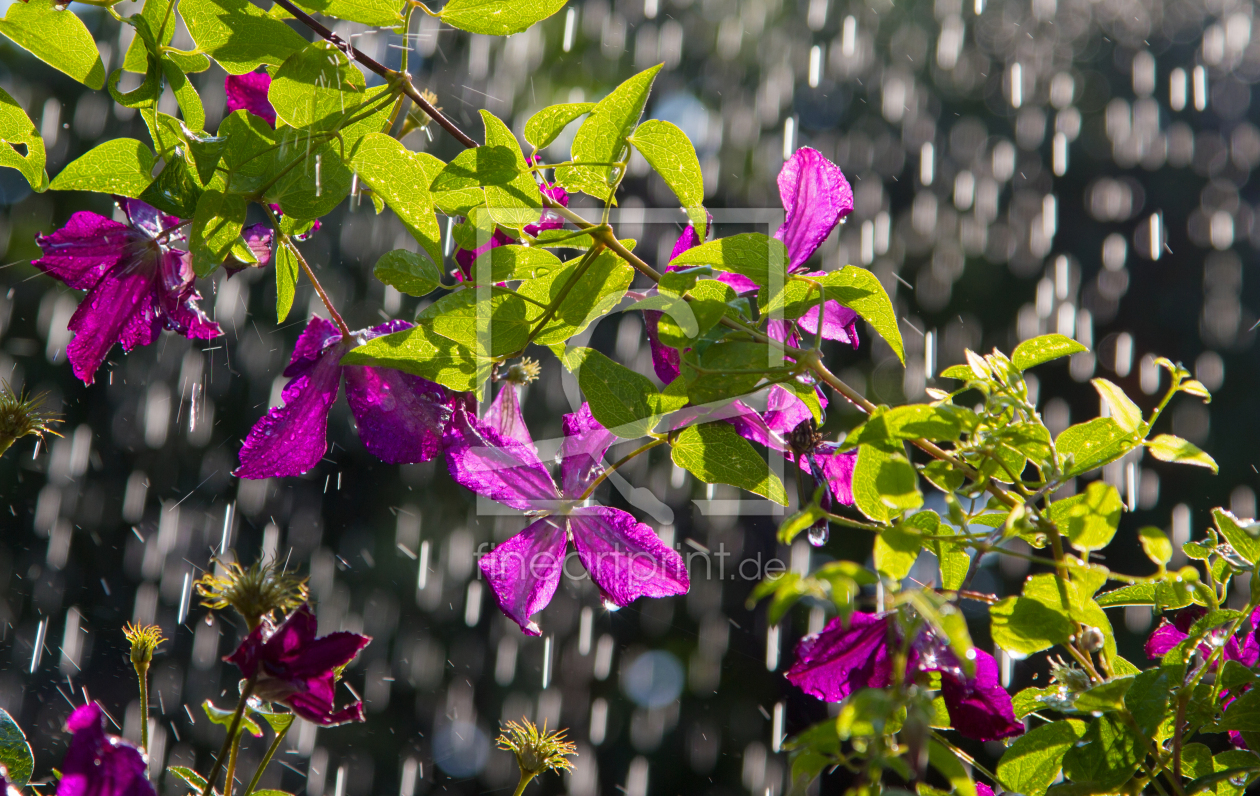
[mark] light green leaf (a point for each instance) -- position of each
(1240, 537)
(1168, 448)
(716, 454)
(798, 522)
(215, 227)
(422, 352)
(546, 125)
(950, 767)
(952, 558)
(1126, 413)
(224, 717)
(315, 88)
(897, 548)
(1024, 625)
(1107, 755)
(15, 752)
(595, 293)
(497, 17)
(859, 290)
(512, 263)
(190, 778)
(408, 272)
(16, 130)
(884, 482)
(175, 191)
(493, 321)
(56, 37)
(937, 423)
(1091, 518)
(377, 13)
(1106, 697)
(623, 401)
(728, 369)
(397, 175)
(279, 721)
(238, 34)
(759, 257)
(1032, 763)
(287, 268)
(1045, 348)
(186, 95)
(518, 202)
(1155, 544)
(602, 137)
(313, 186)
(1092, 444)
(671, 154)
(472, 168)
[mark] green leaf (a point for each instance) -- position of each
(56, 37)
(473, 168)
(623, 401)
(1239, 537)
(511, 263)
(16, 130)
(1155, 544)
(1031, 699)
(1105, 697)
(15, 752)
(518, 202)
(1091, 518)
(944, 423)
(1046, 348)
(408, 272)
(752, 254)
(897, 548)
(224, 717)
(186, 95)
(668, 150)
(1108, 754)
(492, 321)
(1024, 625)
(681, 322)
(497, 17)
(1032, 762)
(950, 767)
(716, 454)
(215, 227)
(884, 482)
(1147, 700)
(279, 721)
(798, 522)
(952, 557)
(190, 778)
(1126, 413)
(239, 35)
(602, 137)
(1093, 444)
(422, 352)
(595, 293)
(1168, 448)
(377, 13)
(122, 166)
(398, 176)
(546, 125)
(728, 369)
(175, 191)
(859, 290)
(287, 268)
(315, 87)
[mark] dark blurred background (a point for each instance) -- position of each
(1072, 166)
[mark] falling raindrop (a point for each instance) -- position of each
(818, 535)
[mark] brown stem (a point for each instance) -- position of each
(288, 243)
(402, 79)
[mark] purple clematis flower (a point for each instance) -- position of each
(298, 669)
(548, 220)
(623, 556)
(137, 284)
(97, 764)
(400, 416)
(249, 92)
(849, 656)
(1170, 634)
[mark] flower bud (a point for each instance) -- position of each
(1092, 639)
(144, 641)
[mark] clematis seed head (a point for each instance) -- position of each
(144, 641)
(22, 416)
(255, 592)
(524, 372)
(536, 750)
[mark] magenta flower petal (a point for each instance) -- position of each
(97, 764)
(502, 469)
(119, 309)
(816, 196)
(84, 250)
(687, 240)
(1165, 637)
(400, 416)
(839, 323)
(504, 415)
(249, 92)
(983, 790)
(752, 426)
(582, 453)
(979, 707)
(626, 558)
(844, 658)
(838, 470)
(738, 282)
(293, 437)
(259, 237)
(525, 571)
(149, 220)
(666, 360)
(784, 411)
(294, 667)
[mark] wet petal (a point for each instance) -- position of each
(816, 196)
(1165, 637)
(844, 657)
(687, 240)
(752, 426)
(504, 415)
(293, 437)
(582, 453)
(152, 222)
(666, 360)
(502, 469)
(738, 282)
(525, 571)
(979, 707)
(626, 558)
(837, 468)
(318, 335)
(82, 251)
(259, 237)
(784, 411)
(97, 764)
(120, 309)
(249, 92)
(839, 323)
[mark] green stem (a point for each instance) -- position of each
(525, 780)
(266, 761)
(582, 265)
(233, 729)
(641, 449)
(231, 767)
(288, 243)
(142, 674)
